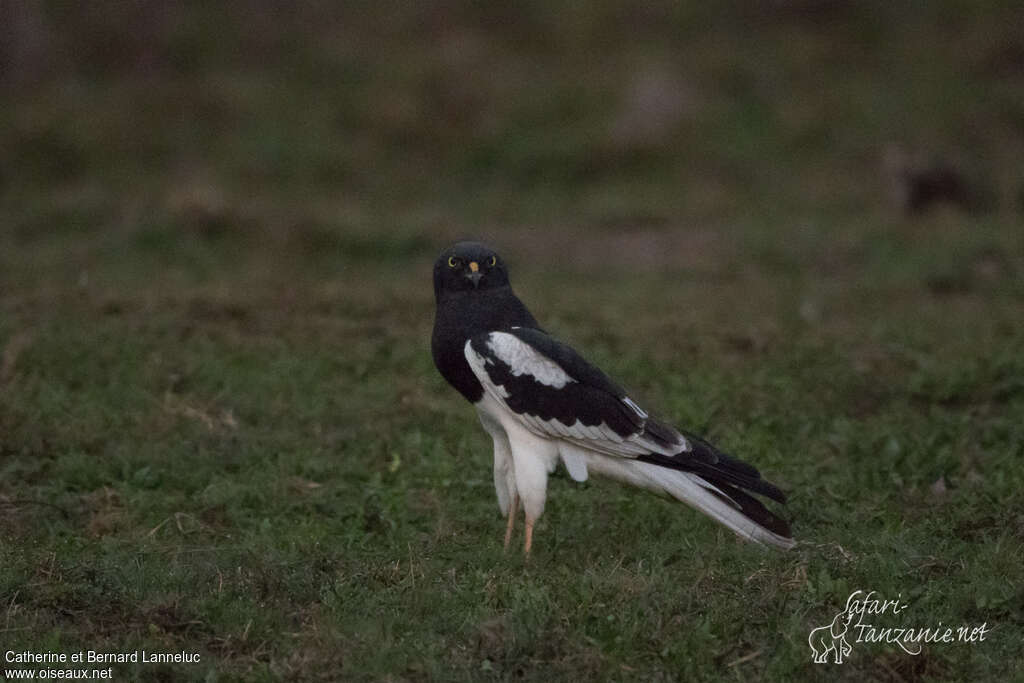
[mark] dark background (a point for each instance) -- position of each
(793, 226)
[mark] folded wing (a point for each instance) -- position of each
(555, 393)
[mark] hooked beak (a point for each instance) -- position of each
(474, 273)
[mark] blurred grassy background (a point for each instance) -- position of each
(220, 429)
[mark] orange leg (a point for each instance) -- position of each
(512, 510)
(529, 537)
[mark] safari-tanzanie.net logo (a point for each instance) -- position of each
(869, 618)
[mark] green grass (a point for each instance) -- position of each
(221, 430)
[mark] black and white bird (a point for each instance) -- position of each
(541, 402)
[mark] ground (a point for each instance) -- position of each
(221, 431)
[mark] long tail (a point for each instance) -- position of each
(726, 504)
(713, 485)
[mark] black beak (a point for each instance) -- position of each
(475, 277)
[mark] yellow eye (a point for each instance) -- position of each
(453, 262)
(493, 261)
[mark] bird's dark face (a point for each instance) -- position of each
(468, 267)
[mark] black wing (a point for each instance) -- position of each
(555, 393)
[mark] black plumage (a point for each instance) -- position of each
(543, 402)
(716, 466)
(465, 309)
(593, 399)
(732, 476)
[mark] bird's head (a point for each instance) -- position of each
(468, 267)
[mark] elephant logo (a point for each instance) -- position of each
(831, 639)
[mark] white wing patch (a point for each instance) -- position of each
(476, 364)
(523, 359)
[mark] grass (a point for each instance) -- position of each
(221, 431)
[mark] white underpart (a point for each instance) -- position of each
(533, 457)
(504, 470)
(523, 359)
(575, 460)
(527, 449)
